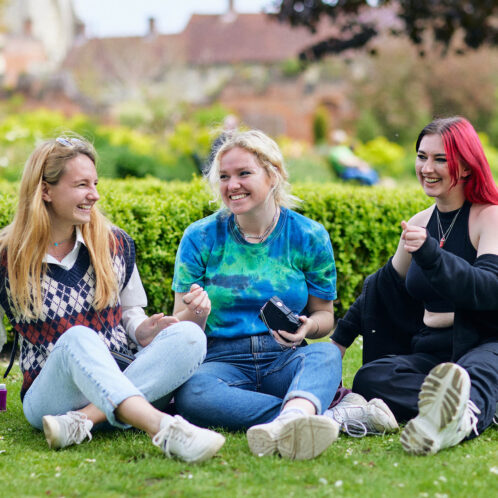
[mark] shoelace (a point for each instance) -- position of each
(175, 431)
(353, 427)
(78, 431)
(472, 412)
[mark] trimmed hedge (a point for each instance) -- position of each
(363, 222)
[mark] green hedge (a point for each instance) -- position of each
(363, 222)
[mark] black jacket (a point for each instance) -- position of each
(388, 317)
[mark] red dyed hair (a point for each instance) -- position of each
(462, 146)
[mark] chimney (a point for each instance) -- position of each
(230, 15)
(152, 27)
(28, 27)
(79, 33)
(80, 29)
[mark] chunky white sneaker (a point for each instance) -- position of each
(297, 437)
(178, 438)
(357, 417)
(446, 414)
(64, 430)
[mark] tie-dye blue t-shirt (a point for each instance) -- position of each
(294, 261)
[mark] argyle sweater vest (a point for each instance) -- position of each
(68, 297)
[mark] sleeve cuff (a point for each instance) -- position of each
(428, 253)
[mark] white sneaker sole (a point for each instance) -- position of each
(51, 428)
(442, 399)
(300, 438)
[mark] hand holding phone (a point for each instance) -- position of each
(277, 316)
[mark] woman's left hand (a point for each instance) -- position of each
(293, 339)
(151, 326)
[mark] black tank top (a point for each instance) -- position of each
(458, 242)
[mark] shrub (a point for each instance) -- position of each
(364, 225)
(320, 125)
(385, 156)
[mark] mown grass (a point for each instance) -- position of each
(118, 464)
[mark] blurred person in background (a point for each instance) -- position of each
(346, 164)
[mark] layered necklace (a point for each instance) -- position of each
(265, 234)
(443, 235)
(57, 244)
(58, 251)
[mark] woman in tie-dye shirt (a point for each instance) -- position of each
(228, 265)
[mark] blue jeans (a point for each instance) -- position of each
(247, 381)
(80, 370)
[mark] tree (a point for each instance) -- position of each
(357, 24)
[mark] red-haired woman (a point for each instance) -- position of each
(429, 317)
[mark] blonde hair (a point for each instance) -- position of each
(27, 238)
(268, 156)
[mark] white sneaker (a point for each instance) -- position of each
(178, 438)
(297, 437)
(64, 430)
(357, 417)
(446, 414)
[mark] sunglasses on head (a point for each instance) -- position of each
(69, 142)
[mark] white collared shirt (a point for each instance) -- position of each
(133, 297)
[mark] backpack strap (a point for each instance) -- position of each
(12, 354)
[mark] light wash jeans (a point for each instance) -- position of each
(80, 370)
(247, 381)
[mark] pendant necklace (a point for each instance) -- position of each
(264, 234)
(57, 244)
(443, 236)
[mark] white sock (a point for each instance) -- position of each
(165, 421)
(292, 412)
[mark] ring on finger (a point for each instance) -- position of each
(198, 312)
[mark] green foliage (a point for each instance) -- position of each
(291, 67)
(210, 116)
(320, 125)
(491, 154)
(364, 226)
(367, 126)
(385, 156)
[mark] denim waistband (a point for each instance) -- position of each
(262, 343)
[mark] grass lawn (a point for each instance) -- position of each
(117, 463)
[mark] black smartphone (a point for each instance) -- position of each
(277, 316)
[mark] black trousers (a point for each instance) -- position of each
(398, 379)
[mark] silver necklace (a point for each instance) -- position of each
(264, 234)
(443, 236)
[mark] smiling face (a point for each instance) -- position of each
(70, 200)
(432, 169)
(244, 184)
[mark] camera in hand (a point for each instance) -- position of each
(277, 316)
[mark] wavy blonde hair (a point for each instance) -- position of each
(268, 156)
(27, 238)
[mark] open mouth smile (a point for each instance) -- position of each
(236, 197)
(431, 180)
